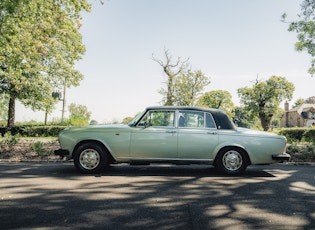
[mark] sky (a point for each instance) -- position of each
(231, 41)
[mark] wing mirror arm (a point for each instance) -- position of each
(145, 124)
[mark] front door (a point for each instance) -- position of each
(156, 138)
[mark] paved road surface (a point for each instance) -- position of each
(55, 196)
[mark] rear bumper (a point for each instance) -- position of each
(62, 153)
(281, 157)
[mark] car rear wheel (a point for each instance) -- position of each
(232, 160)
(90, 158)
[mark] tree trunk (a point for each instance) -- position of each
(170, 94)
(265, 121)
(11, 112)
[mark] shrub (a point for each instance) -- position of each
(39, 149)
(296, 135)
(309, 136)
(35, 131)
(9, 140)
(293, 135)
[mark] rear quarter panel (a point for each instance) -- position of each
(260, 146)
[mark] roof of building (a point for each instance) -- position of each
(303, 108)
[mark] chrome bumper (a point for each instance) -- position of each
(281, 157)
(62, 153)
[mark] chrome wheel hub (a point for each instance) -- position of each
(89, 159)
(232, 160)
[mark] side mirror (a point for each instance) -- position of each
(144, 124)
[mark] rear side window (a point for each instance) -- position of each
(191, 119)
(210, 122)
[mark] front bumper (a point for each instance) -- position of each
(281, 157)
(62, 153)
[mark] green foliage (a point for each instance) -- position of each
(188, 87)
(79, 115)
(9, 140)
(34, 131)
(309, 135)
(298, 102)
(39, 149)
(40, 42)
(242, 118)
(305, 29)
(126, 120)
(219, 99)
(93, 122)
(183, 85)
(4, 102)
(302, 152)
(297, 135)
(263, 99)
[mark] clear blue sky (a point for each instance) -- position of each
(230, 41)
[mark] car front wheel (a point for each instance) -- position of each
(90, 158)
(232, 161)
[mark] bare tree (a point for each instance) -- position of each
(171, 69)
(310, 100)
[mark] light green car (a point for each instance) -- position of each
(167, 134)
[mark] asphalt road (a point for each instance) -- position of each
(55, 196)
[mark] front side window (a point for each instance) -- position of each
(159, 118)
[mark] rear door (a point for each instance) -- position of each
(197, 135)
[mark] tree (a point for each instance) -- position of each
(305, 28)
(183, 85)
(126, 120)
(188, 87)
(218, 99)
(39, 44)
(79, 114)
(3, 107)
(264, 98)
(298, 102)
(172, 70)
(310, 100)
(243, 118)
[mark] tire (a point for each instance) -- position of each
(90, 158)
(232, 161)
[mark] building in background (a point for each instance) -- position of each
(301, 116)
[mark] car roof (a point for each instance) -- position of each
(196, 108)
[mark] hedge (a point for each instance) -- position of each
(34, 131)
(294, 135)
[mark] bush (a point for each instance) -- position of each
(302, 152)
(309, 135)
(39, 149)
(296, 135)
(9, 140)
(34, 131)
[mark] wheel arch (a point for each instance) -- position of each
(238, 147)
(97, 142)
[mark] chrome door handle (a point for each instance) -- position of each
(171, 131)
(213, 133)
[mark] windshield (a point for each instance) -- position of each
(136, 118)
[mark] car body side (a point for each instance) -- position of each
(132, 143)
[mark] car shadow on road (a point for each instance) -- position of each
(165, 170)
(67, 170)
